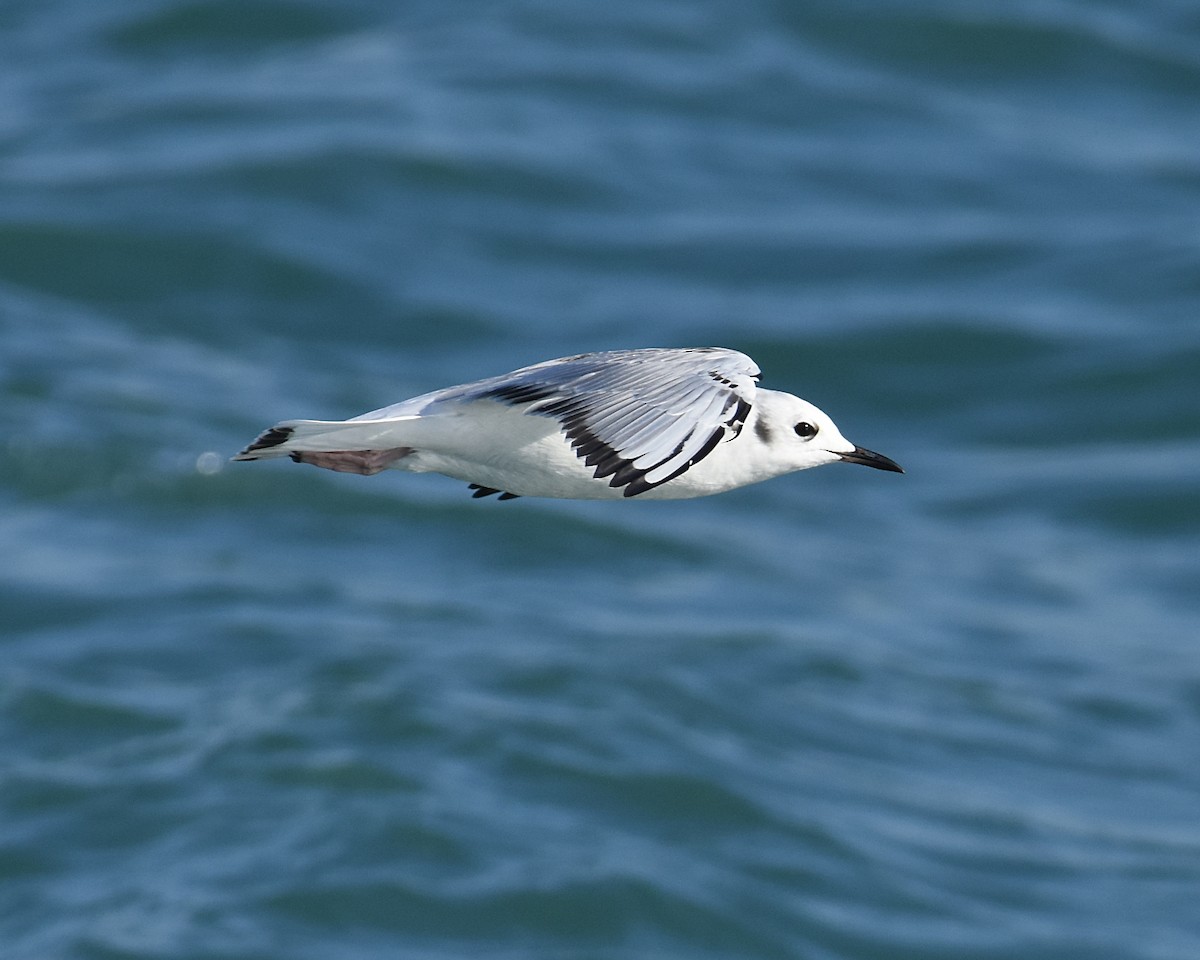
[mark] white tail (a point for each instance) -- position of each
(349, 446)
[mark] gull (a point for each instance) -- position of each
(656, 424)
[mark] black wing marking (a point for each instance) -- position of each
(638, 417)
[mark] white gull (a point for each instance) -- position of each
(658, 424)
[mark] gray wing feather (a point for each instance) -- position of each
(640, 417)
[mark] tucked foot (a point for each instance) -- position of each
(364, 462)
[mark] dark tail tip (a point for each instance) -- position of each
(272, 438)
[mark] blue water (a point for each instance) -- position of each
(265, 711)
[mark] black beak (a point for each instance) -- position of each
(868, 458)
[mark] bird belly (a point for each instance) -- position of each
(546, 467)
(549, 467)
(530, 456)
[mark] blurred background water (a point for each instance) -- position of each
(259, 710)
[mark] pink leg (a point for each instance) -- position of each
(365, 462)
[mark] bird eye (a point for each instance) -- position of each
(805, 430)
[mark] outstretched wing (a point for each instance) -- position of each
(640, 417)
